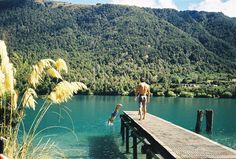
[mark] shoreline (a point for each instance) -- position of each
(82, 94)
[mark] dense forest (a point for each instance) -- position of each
(109, 47)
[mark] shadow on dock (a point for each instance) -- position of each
(101, 147)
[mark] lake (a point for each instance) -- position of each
(92, 138)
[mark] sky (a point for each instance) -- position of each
(228, 7)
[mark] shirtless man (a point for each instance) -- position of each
(143, 94)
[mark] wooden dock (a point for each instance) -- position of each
(163, 139)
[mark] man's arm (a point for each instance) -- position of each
(148, 94)
(136, 93)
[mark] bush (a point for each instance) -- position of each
(226, 95)
(186, 94)
(178, 90)
(12, 108)
(125, 93)
(159, 94)
(203, 95)
(170, 94)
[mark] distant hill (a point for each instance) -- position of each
(112, 43)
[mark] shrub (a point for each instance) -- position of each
(203, 95)
(226, 95)
(178, 90)
(186, 94)
(170, 94)
(125, 93)
(159, 94)
(12, 110)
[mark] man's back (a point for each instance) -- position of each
(143, 89)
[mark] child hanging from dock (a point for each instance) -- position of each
(114, 114)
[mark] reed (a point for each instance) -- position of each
(12, 110)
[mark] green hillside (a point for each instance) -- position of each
(110, 46)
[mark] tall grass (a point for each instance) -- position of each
(12, 110)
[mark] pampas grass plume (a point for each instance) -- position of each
(54, 73)
(61, 65)
(28, 98)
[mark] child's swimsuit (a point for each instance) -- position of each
(114, 113)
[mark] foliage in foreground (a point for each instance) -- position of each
(12, 110)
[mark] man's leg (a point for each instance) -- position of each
(140, 110)
(144, 108)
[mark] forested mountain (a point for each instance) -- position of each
(110, 46)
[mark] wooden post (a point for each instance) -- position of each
(235, 91)
(199, 121)
(1, 146)
(135, 153)
(127, 139)
(148, 154)
(209, 120)
(122, 128)
(144, 148)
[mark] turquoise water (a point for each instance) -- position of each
(92, 138)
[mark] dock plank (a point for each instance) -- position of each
(180, 142)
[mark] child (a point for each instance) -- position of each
(114, 114)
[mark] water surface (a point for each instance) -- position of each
(92, 138)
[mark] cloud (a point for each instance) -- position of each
(147, 3)
(167, 4)
(228, 7)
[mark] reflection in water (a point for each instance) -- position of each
(104, 147)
